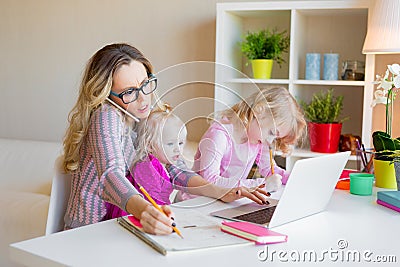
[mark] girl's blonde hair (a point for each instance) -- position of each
(150, 131)
(95, 87)
(275, 102)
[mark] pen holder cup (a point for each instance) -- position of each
(361, 183)
(364, 160)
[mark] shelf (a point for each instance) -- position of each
(305, 82)
(330, 82)
(305, 153)
(263, 81)
(314, 26)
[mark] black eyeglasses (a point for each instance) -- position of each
(131, 94)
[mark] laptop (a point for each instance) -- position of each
(307, 192)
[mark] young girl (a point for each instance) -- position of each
(160, 143)
(244, 134)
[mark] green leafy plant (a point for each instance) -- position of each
(265, 44)
(386, 148)
(324, 108)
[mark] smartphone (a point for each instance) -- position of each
(123, 110)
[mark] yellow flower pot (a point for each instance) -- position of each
(262, 68)
(384, 174)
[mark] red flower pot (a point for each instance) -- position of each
(324, 137)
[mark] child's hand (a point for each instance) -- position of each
(256, 194)
(273, 182)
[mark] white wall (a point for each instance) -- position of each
(46, 43)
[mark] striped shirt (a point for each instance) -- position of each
(106, 155)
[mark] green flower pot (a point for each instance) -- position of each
(384, 174)
(262, 68)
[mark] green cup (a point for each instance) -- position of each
(361, 183)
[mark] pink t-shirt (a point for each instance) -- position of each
(152, 175)
(222, 161)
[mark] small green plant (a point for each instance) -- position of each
(324, 108)
(266, 44)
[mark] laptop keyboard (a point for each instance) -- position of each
(262, 216)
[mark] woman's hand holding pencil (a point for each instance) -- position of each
(152, 220)
(157, 214)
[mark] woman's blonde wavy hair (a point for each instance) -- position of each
(276, 102)
(149, 131)
(95, 87)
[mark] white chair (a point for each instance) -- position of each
(60, 190)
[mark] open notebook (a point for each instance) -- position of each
(199, 231)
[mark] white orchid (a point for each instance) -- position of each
(386, 91)
(380, 98)
(386, 85)
(384, 82)
(395, 70)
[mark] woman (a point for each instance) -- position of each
(116, 91)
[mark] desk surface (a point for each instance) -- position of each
(352, 229)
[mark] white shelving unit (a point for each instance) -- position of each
(314, 26)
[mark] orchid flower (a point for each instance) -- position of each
(380, 98)
(395, 70)
(385, 92)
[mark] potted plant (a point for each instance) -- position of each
(387, 168)
(396, 161)
(264, 47)
(386, 160)
(384, 145)
(324, 126)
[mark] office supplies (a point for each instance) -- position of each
(361, 152)
(390, 199)
(307, 192)
(364, 154)
(271, 161)
(343, 184)
(158, 208)
(200, 233)
(387, 205)
(123, 110)
(344, 180)
(253, 232)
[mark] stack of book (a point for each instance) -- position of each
(389, 199)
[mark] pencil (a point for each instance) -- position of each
(158, 208)
(364, 154)
(271, 161)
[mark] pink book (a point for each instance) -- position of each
(383, 203)
(253, 232)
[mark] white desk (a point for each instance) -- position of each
(358, 220)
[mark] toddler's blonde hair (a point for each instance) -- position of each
(276, 102)
(149, 131)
